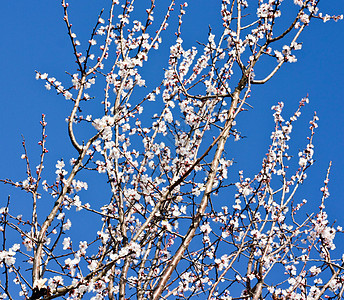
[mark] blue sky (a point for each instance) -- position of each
(34, 38)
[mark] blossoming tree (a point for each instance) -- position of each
(163, 232)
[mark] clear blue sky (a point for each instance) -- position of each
(34, 38)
